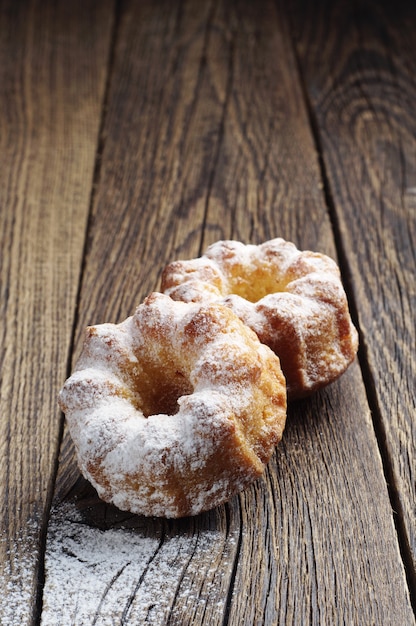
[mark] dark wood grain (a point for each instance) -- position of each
(266, 181)
(362, 88)
(53, 61)
(207, 135)
(156, 156)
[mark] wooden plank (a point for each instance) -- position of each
(53, 61)
(163, 119)
(266, 180)
(364, 111)
(269, 205)
(154, 170)
(207, 136)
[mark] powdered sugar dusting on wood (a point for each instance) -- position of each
(119, 575)
(17, 586)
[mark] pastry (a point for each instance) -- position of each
(175, 409)
(293, 300)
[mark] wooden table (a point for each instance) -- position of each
(137, 132)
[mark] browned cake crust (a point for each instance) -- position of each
(175, 409)
(293, 300)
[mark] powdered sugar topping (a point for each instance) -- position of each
(156, 401)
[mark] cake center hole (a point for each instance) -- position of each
(256, 287)
(160, 395)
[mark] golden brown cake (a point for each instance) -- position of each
(175, 409)
(293, 300)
